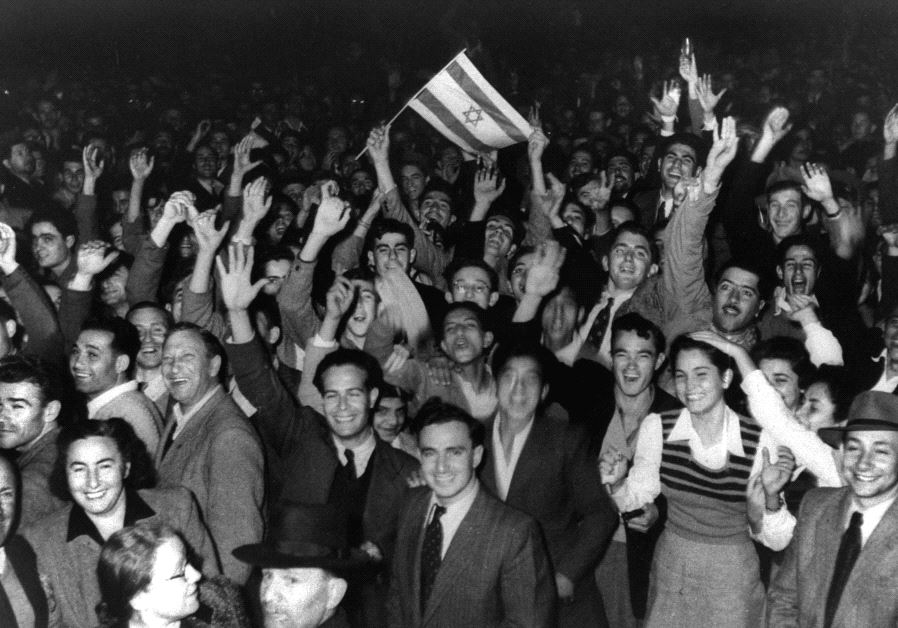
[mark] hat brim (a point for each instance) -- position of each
(833, 436)
(262, 555)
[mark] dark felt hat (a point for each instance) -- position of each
(305, 535)
(870, 411)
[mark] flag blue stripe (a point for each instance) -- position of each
(483, 101)
(445, 116)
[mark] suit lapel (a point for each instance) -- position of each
(488, 466)
(828, 531)
(468, 542)
(196, 426)
(382, 476)
(528, 462)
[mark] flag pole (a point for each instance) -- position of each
(418, 93)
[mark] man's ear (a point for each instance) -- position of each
(478, 455)
(69, 242)
(215, 366)
(544, 393)
(51, 411)
(581, 315)
(761, 305)
(494, 296)
(652, 270)
(511, 251)
(373, 394)
(605, 263)
(763, 219)
(659, 360)
(11, 327)
(779, 272)
(412, 256)
(122, 363)
(336, 589)
(806, 212)
(274, 334)
(7, 164)
(448, 296)
(487, 339)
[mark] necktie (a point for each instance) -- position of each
(849, 549)
(431, 553)
(600, 326)
(169, 441)
(349, 467)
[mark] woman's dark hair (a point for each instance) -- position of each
(125, 569)
(841, 387)
(133, 450)
(686, 343)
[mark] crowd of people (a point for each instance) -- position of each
(267, 360)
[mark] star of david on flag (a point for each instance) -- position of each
(459, 103)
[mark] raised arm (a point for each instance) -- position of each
(845, 228)
(141, 167)
(198, 306)
(85, 209)
(242, 165)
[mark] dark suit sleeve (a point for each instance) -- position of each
(598, 517)
(782, 596)
(528, 586)
(259, 383)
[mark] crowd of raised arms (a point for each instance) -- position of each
(267, 360)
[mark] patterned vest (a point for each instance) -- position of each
(704, 504)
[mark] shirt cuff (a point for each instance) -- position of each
(776, 529)
(318, 341)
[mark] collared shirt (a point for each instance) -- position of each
(872, 517)
(136, 509)
(94, 405)
(181, 418)
(714, 456)
(619, 299)
(885, 384)
(505, 469)
(361, 454)
(455, 513)
(2, 559)
(155, 388)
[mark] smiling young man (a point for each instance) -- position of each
(838, 569)
(152, 322)
(678, 158)
(102, 366)
(477, 562)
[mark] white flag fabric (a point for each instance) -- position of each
(459, 103)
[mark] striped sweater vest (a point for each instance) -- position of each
(703, 504)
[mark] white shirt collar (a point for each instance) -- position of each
(455, 513)
(872, 517)
(155, 388)
(181, 418)
(2, 560)
(361, 454)
(732, 435)
(94, 405)
(505, 470)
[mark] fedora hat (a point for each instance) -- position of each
(870, 411)
(305, 535)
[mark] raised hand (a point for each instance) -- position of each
(487, 187)
(775, 476)
(543, 274)
(242, 161)
(255, 202)
(536, 144)
(776, 125)
(207, 237)
(667, 106)
(722, 152)
(333, 212)
(533, 115)
(379, 144)
(339, 298)
(202, 128)
(7, 248)
(93, 165)
(688, 189)
(397, 359)
(816, 184)
(179, 208)
(141, 166)
(689, 69)
(92, 258)
(235, 281)
(706, 96)
(890, 126)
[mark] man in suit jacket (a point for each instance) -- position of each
(818, 584)
(209, 447)
(313, 455)
(23, 600)
(546, 468)
(462, 557)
